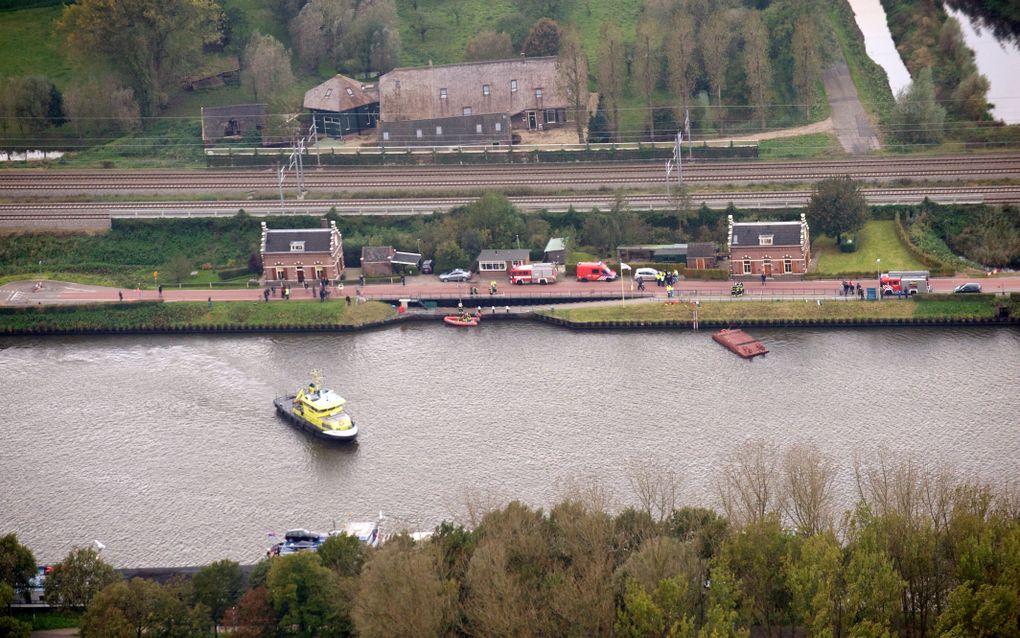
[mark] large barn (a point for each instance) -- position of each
(527, 90)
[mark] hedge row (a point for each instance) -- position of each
(937, 267)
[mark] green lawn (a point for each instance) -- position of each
(802, 146)
(736, 311)
(164, 315)
(29, 45)
(877, 240)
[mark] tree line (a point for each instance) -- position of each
(921, 552)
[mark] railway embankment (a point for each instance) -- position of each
(253, 318)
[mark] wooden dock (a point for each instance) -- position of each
(740, 343)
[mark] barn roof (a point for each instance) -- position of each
(340, 93)
(417, 93)
(783, 233)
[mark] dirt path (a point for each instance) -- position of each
(825, 126)
(853, 126)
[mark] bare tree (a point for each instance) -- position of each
(657, 489)
(647, 65)
(681, 60)
(267, 67)
(806, 61)
(890, 487)
(749, 488)
(489, 45)
(401, 593)
(611, 73)
(715, 44)
(807, 489)
(572, 64)
(756, 63)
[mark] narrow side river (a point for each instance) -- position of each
(168, 451)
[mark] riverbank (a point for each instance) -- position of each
(333, 316)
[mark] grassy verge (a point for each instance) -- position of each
(155, 315)
(932, 307)
(41, 619)
(30, 45)
(877, 240)
(803, 146)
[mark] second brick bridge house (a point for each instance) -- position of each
(299, 255)
(775, 249)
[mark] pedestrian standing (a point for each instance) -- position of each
(763, 279)
(120, 295)
(161, 291)
(210, 303)
(403, 280)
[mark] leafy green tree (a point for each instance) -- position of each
(611, 73)
(218, 586)
(267, 70)
(449, 255)
(681, 57)
(178, 268)
(757, 64)
(985, 611)
(755, 557)
(918, 118)
(142, 607)
(401, 593)
(17, 564)
(573, 77)
(806, 61)
(715, 37)
(543, 39)
(343, 554)
(306, 596)
(837, 206)
(76, 580)
(660, 612)
(13, 628)
(647, 66)
(151, 44)
(817, 585)
(722, 619)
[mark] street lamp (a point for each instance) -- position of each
(518, 241)
(878, 272)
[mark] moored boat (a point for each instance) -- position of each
(740, 343)
(318, 410)
(463, 320)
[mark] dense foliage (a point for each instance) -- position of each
(922, 552)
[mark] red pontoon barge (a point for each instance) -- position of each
(741, 343)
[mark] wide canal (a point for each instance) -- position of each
(167, 449)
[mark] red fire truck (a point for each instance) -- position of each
(909, 282)
(539, 273)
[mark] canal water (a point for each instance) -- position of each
(998, 61)
(167, 449)
(878, 42)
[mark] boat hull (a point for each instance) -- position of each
(740, 343)
(341, 436)
(453, 320)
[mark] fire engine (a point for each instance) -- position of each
(539, 273)
(909, 282)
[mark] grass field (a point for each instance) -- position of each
(165, 315)
(736, 311)
(802, 146)
(29, 45)
(877, 240)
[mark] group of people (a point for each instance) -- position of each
(271, 292)
(473, 290)
(850, 289)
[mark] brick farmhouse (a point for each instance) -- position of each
(777, 249)
(298, 255)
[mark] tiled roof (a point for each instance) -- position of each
(700, 249)
(316, 240)
(783, 233)
(504, 254)
(376, 253)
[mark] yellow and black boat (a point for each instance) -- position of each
(318, 410)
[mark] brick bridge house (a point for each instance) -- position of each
(777, 249)
(297, 255)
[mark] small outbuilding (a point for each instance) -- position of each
(502, 259)
(375, 260)
(342, 106)
(701, 255)
(555, 251)
(299, 255)
(233, 123)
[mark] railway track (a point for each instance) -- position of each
(38, 183)
(67, 211)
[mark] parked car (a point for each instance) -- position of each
(646, 274)
(457, 274)
(968, 287)
(427, 266)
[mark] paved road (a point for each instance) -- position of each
(853, 126)
(24, 293)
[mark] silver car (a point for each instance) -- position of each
(457, 274)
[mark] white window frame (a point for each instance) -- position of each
(513, 86)
(499, 126)
(466, 111)
(442, 94)
(516, 262)
(478, 128)
(787, 266)
(747, 266)
(386, 136)
(417, 133)
(485, 90)
(538, 92)
(492, 266)
(765, 240)
(547, 113)
(329, 92)
(350, 92)
(439, 130)
(297, 246)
